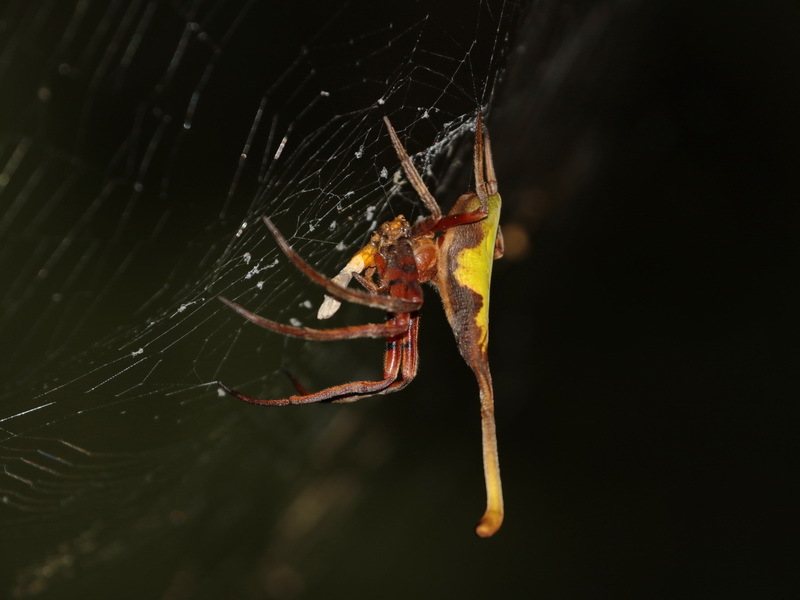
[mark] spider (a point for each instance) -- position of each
(454, 253)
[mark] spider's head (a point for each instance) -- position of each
(395, 229)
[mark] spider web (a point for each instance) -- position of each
(140, 143)
(649, 149)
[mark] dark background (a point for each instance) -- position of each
(643, 351)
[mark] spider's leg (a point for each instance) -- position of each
(410, 363)
(355, 389)
(389, 328)
(410, 354)
(479, 163)
(490, 176)
(295, 382)
(395, 305)
(367, 282)
(412, 174)
(485, 177)
(499, 245)
(464, 218)
(485, 186)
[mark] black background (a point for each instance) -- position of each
(643, 349)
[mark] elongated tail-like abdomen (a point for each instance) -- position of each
(463, 281)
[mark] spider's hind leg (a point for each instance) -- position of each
(346, 392)
(408, 369)
(301, 389)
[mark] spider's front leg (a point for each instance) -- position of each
(485, 183)
(395, 304)
(485, 188)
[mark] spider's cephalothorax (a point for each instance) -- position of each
(454, 253)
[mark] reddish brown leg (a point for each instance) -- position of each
(486, 183)
(460, 219)
(413, 175)
(301, 389)
(391, 368)
(410, 359)
(390, 328)
(410, 363)
(389, 304)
